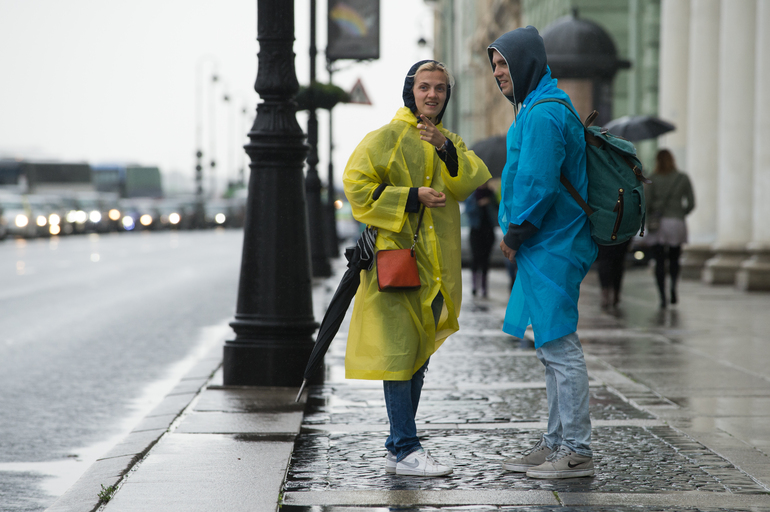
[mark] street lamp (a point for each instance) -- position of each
(199, 210)
(274, 321)
(318, 253)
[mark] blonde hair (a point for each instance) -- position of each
(436, 66)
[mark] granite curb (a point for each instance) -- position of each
(111, 468)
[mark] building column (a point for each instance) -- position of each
(673, 75)
(702, 98)
(735, 130)
(755, 272)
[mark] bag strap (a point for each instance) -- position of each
(417, 230)
(562, 178)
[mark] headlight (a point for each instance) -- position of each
(41, 220)
(174, 218)
(21, 220)
(220, 218)
(114, 214)
(54, 219)
(145, 220)
(81, 217)
(54, 229)
(71, 216)
(95, 216)
(128, 223)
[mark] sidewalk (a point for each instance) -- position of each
(680, 404)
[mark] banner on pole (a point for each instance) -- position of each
(354, 29)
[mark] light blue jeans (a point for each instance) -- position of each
(566, 383)
(401, 400)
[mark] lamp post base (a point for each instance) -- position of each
(265, 363)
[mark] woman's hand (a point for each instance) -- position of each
(429, 132)
(507, 251)
(431, 198)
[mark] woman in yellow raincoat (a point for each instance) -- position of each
(410, 162)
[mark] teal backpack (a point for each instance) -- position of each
(615, 207)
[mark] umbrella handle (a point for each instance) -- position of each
(301, 388)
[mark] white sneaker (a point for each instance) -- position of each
(390, 463)
(420, 463)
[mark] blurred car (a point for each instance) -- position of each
(175, 214)
(139, 214)
(48, 215)
(18, 216)
(496, 259)
(218, 213)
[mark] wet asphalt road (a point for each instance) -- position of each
(93, 331)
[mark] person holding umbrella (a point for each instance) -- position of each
(407, 164)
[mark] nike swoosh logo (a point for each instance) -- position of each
(411, 465)
(571, 465)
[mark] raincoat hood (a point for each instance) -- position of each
(524, 51)
(408, 93)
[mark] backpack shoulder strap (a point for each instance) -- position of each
(563, 179)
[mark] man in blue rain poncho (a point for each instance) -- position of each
(548, 234)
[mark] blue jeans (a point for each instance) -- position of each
(401, 400)
(566, 383)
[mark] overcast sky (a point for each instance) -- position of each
(115, 80)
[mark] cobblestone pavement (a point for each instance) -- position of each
(484, 400)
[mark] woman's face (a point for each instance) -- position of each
(429, 91)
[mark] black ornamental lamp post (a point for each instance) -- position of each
(320, 261)
(274, 315)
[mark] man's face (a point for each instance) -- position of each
(429, 91)
(502, 74)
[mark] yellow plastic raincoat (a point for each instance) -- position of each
(392, 334)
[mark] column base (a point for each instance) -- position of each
(278, 363)
(722, 268)
(754, 274)
(693, 260)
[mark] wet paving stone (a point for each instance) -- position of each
(349, 405)
(627, 459)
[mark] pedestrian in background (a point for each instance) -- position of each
(669, 200)
(611, 265)
(548, 235)
(411, 161)
(481, 208)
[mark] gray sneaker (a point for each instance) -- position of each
(563, 463)
(531, 458)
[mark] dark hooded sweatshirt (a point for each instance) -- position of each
(524, 51)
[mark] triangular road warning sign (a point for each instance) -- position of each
(358, 94)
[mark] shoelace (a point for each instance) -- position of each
(559, 454)
(535, 448)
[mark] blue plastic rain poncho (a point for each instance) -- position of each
(551, 231)
(392, 334)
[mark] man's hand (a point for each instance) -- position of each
(507, 251)
(429, 132)
(431, 198)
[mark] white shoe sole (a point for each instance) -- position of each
(390, 470)
(518, 468)
(571, 473)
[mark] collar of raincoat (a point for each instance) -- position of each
(408, 93)
(524, 51)
(406, 115)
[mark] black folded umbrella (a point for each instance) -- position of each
(359, 257)
(493, 152)
(636, 128)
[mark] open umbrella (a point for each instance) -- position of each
(359, 257)
(493, 153)
(636, 128)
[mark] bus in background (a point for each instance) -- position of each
(128, 181)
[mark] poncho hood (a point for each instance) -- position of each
(408, 93)
(524, 51)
